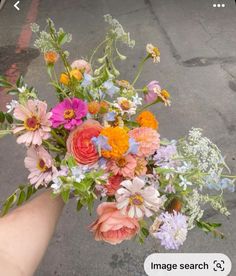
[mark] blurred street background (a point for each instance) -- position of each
(198, 66)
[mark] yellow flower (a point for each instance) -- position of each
(118, 139)
(153, 52)
(64, 79)
(147, 119)
(165, 97)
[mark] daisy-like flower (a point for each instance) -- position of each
(124, 166)
(164, 96)
(36, 124)
(136, 200)
(69, 113)
(141, 167)
(173, 230)
(148, 140)
(125, 106)
(40, 164)
(153, 52)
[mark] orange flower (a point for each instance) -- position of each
(103, 107)
(76, 74)
(64, 79)
(50, 57)
(147, 119)
(93, 107)
(118, 139)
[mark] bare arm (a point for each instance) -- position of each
(25, 234)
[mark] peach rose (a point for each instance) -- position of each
(82, 65)
(112, 226)
(79, 142)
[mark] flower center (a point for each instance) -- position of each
(136, 200)
(42, 166)
(156, 51)
(31, 123)
(165, 94)
(69, 114)
(121, 162)
(125, 105)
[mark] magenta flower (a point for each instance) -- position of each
(69, 113)
(152, 91)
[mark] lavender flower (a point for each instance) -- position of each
(164, 156)
(173, 231)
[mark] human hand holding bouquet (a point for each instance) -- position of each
(101, 142)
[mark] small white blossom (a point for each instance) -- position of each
(22, 89)
(184, 182)
(11, 106)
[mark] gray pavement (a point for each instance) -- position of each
(198, 67)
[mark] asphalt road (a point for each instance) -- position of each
(198, 67)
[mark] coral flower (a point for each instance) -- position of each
(82, 65)
(147, 119)
(40, 164)
(51, 57)
(136, 200)
(69, 113)
(80, 144)
(113, 184)
(148, 140)
(93, 107)
(112, 226)
(64, 79)
(118, 139)
(36, 122)
(141, 167)
(124, 166)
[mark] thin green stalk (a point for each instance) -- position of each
(96, 49)
(140, 69)
(58, 138)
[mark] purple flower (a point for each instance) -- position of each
(151, 95)
(164, 156)
(69, 113)
(173, 230)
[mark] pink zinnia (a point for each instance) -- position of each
(152, 88)
(124, 166)
(35, 126)
(69, 113)
(40, 164)
(135, 199)
(148, 140)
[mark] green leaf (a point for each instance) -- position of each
(4, 82)
(9, 118)
(8, 204)
(62, 39)
(79, 205)
(145, 232)
(21, 198)
(65, 195)
(2, 117)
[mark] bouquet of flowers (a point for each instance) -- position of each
(99, 142)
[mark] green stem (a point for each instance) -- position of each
(228, 176)
(51, 147)
(140, 69)
(145, 107)
(96, 49)
(58, 138)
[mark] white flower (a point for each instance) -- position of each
(136, 200)
(184, 183)
(11, 106)
(22, 89)
(154, 52)
(78, 173)
(57, 184)
(125, 106)
(137, 100)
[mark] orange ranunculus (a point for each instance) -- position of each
(51, 57)
(112, 226)
(147, 119)
(64, 79)
(80, 145)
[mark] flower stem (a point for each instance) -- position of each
(140, 69)
(58, 138)
(96, 49)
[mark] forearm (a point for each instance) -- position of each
(26, 232)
